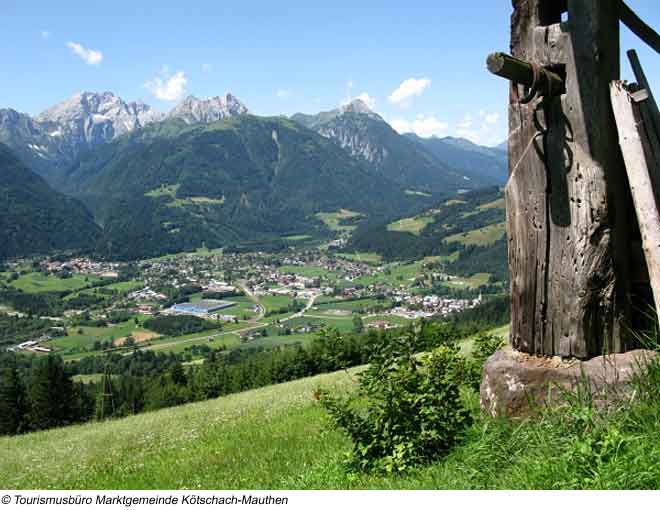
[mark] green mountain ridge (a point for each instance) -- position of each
(172, 186)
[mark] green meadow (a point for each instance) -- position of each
(38, 282)
(480, 236)
(334, 219)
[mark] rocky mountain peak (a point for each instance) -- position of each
(193, 110)
(86, 114)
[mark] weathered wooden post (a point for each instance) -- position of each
(567, 199)
(571, 226)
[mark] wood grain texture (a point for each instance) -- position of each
(567, 247)
(636, 137)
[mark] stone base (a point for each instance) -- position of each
(516, 384)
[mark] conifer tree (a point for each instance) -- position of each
(12, 400)
(50, 394)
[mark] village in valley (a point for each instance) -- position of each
(228, 300)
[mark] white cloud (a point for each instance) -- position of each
(423, 125)
(466, 123)
(207, 68)
(45, 34)
(168, 88)
(401, 126)
(487, 129)
(409, 88)
(364, 97)
(488, 117)
(283, 94)
(91, 57)
(368, 100)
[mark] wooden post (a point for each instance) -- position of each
(640, 161)
(567, 195)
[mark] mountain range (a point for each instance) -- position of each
(52, 140)
(407, 160)
(209, 172)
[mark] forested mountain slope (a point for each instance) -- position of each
(173, 186)
(35, 219)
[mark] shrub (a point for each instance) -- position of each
(484, 347)
(407, 411)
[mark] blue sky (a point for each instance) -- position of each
(420, 64)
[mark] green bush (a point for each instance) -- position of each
(407, 411)
(484, 347)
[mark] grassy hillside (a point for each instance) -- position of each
(262, 438)
(279, 437)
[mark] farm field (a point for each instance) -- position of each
(349, 306)
(180, 344)
(333, 219)
(270, 342)
(392, 319)
(274, 303)
(362, 256)
(474, 281)
(480, 236)
(88, 378)
(343, 324)
(413, 225)
(38, 282)
(78, 345)
(396, 274)
(127, 286)
(500, 203)
(298, 237)
(243, 309)
(82, 338)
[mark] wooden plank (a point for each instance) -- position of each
(636, 154)
(638, 27)
(640, 76)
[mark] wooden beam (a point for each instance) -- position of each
(631, 139)
(638, 27)
(640, 76)
(524, 73)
